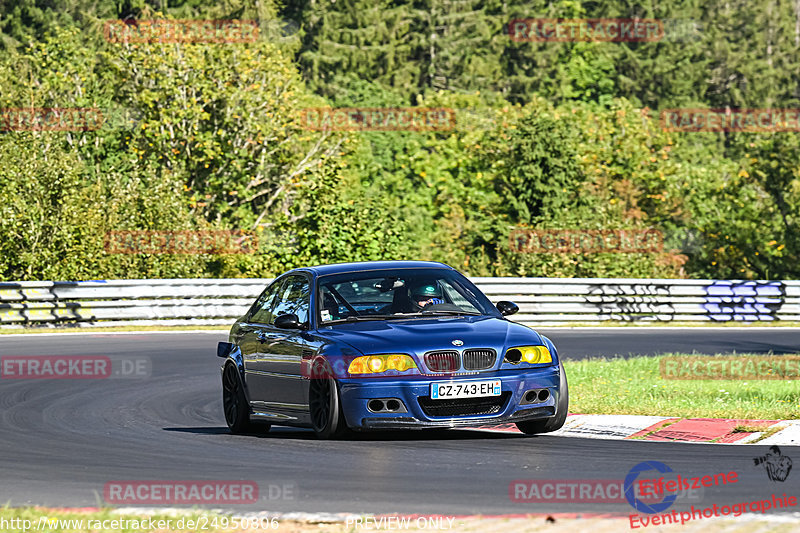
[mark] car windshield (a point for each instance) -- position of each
(398, 293)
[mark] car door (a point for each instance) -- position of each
(288, 347)
(253, 333)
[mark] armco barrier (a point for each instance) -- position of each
(542, 301)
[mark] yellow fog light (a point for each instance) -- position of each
(375, 364)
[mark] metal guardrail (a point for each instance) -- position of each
(542, 301)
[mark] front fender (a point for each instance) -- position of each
(335, 357)
(233, 355)
(552, 348)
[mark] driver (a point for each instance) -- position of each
(424, 294)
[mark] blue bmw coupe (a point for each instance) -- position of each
(391, 344)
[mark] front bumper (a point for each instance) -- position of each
(355, 394)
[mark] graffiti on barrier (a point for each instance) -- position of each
(721, 301)
(632, 302)
(744, 300)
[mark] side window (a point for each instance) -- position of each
(262, 309)
(294, 297)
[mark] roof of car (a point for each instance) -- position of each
(339, 268)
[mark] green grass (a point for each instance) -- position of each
(634, 387)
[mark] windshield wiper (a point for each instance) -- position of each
(434, 313)
(400, 316)
(450, 312)
(359, 318)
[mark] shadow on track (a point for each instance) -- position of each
(375, 435)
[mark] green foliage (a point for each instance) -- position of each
(582, 167)
(53, 224)
(538, 168)
(757, 236)
(220, 117)
(548, 135)
(36, 194)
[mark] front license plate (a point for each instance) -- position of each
(472, 389)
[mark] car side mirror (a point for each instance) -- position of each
(224, 348)
(288, 321)
(507, 308)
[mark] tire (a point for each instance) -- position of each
(234, 403)
(534, 427)
(327, 418)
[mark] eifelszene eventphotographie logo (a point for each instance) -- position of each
(638, 504)
(776, 464)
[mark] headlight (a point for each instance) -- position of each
(529, 354)
(375, 364)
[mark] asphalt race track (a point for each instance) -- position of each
(61, 441)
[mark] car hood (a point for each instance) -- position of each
(421, 335)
